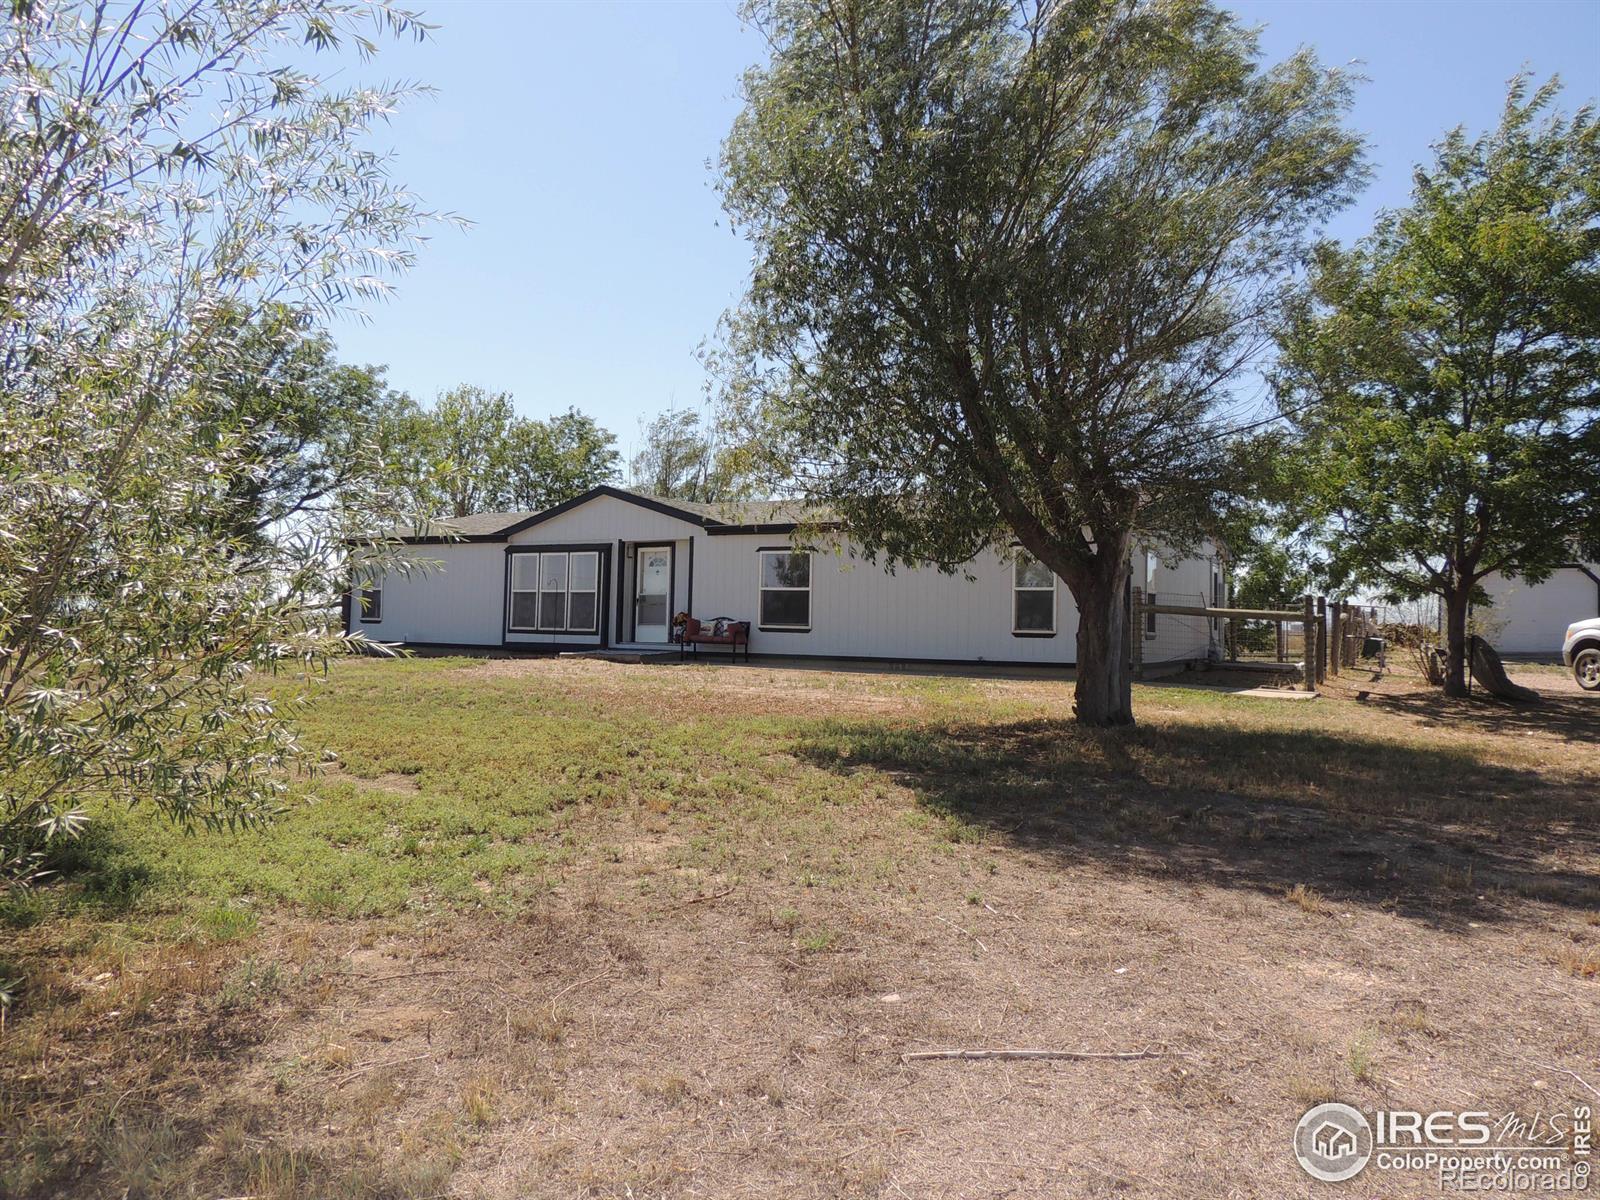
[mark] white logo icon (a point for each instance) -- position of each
(1333, 1142)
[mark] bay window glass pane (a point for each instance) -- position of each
(525, 572)
(581, 618)
(524, 609)
(785, 570)
(552, 572)
(585, 572)
(786, 608)
(553, 609)
(1035, 611)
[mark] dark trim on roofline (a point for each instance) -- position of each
(771, 527)
(461, 539)
(615, 493)
(709, 524)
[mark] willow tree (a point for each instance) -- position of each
(1008, 255)
(169, 173)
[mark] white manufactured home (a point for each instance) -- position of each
(611, 568)
(1532, 618)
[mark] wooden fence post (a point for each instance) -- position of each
(1322, 639)
(1136, 633)
(1310, 638)
(1335, 636)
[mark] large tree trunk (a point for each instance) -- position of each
(1455, 640)
(1105, 681)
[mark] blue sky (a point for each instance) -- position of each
(576, 137)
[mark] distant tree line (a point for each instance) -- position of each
(317, 426)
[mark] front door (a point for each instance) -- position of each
(653, 594)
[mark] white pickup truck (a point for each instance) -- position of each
(1581, 652)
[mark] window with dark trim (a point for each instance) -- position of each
(1151, 562)
(785, 589)
(524, 591)
(1033, 598)
(370, 600)
(583, 593)
(555, 592)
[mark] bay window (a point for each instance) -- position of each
(555, 591)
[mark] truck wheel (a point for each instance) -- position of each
(1586, 668)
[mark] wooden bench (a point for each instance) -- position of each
(698, 633)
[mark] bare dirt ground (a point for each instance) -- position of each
(699, 1009)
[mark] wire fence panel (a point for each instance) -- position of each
(1169, 638)
(1252, 639)
(1313, 640)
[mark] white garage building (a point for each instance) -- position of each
(610, 568)
(1532, 618)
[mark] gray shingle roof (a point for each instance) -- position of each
(477, 525)
(745, 512)
(740, 513)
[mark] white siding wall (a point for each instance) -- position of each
(1532, 618)
(1186, 581)
(858, 609)
(455, 600)
(605, 519)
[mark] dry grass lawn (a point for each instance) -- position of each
(573, 929)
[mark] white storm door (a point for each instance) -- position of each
(652, 594)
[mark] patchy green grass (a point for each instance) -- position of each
(458, 786)
(804, 812)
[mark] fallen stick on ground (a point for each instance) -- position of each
(1565, 1071)
(968, 932)
(375, 1064)
(580, 983)
(711, 896)
(1116, 1055)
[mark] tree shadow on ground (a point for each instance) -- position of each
(1573, 717)
(1436, 835)
(96, 872)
